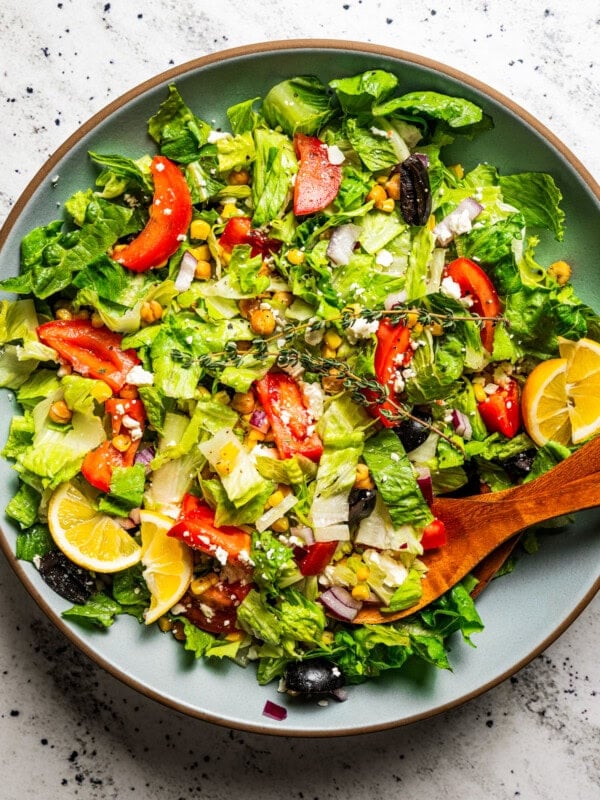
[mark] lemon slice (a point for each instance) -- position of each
(168, 564)
(561, 397)
(91, 539)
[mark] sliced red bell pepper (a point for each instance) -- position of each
(92, 352)
(170, 217)
(239, 230)
(198, 530)
(392, 353)
(291, 423)
(313, 559)
(318, 180)
(434, 535)
(119, 408)
(501, 411)
(474, 281)
(99, 464)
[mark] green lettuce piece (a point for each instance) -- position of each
(457, 112)
(121, 174)
(99, 611)
(126, 490)
(117, 293)
(378, 229)
(14, 370)
(24, 505)
(226, 512)
(179, 134)
(50, 269)
(200, 177)
(358, 93)
(420, 255)
(203, 644)
(408, 593)
(538, 198)
(81, 394)
(274, 167)
(235, 152)
(20, 436)
(242, 116)
(34, 542)
(244, 270)
(298, 105)
(395, 480)
(301, 619)
(274, 565)
(20, 349)
(256, 617)
(436, 367)
(37, 387)
(375, 151)
(454, 611)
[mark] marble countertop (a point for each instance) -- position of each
(68, 729)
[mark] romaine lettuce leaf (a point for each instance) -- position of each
(298, 105)
(179, 133)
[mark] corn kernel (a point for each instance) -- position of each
(363, 478)
(458, 170)
(253, 437)
(201, 253)
(362, 573)
(327, 637)
(431, 223)
(64, 313)
(276, 498)
(227, 458)
(60, 412)
(377, 194)
(234, 636)
(239, 177)
(229, 210)
(203, 270)
(328, 352)
(561, 271)
(165, 624)
(479, 392)
(200, 585)
(387, 205)
(225, 256)
(199, 230)
(412, 318)
(295, 256)
(96, 320)
(281, 525)
(203, 393)
(392, 186)
(436, 329)
(361, 592)
(121, 442)
(332, 339)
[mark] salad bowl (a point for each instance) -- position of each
(525, 610)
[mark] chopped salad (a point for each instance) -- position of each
(272, 346)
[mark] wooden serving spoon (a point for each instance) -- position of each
(476, 526)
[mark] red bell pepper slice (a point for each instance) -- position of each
(291, 423)
(170, 217)
(318, 180)
(314, 558)
(198, 530)
(474, 281)
(118, 407)
(92, 352)
(99, 464)
(239, 230)
(215, 610)
(392, 352)
(501, 411)
(434, 535)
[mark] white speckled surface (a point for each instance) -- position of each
(69, 730)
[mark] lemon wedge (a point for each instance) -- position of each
(89, 538)
(168, 564)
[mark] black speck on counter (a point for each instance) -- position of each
(433, 12)
(14, 712)
(106, 7)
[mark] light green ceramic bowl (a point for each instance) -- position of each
(523, 612)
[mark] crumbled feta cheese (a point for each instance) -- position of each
(379, 132)
(384, 258)
(361, 329)
(159, 166)
(450, 288)
(167, 212)
(221, 555)
(313, 337)
(214, 136)
(138, 376)
(313, 398)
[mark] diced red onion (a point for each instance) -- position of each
(457, 221)
(340, 603)
(423, 158)
(394, 299)
(303, 532)
(461, 424)
(425, 484)
(259, 420)
(187, 270)
(341, 695)
(341, 244)
(126, 523)
(144, 457)
(134, 516)
(274, 711)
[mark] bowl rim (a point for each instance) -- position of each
(171, 74)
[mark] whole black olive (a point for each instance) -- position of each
(414, 430)
(415, 191)
(67, 579)
(519, 466)
(361, 503)
(313, 677)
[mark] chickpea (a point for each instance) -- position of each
(363, 478)
(243, 402)
(60, 412)
(262, 321)
(151, 311)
